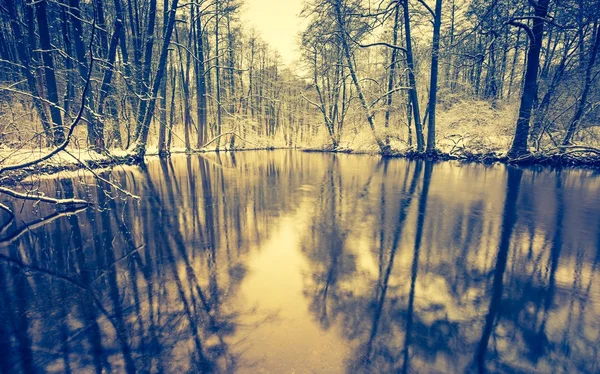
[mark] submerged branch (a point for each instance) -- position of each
(10, 219)
(39, 223)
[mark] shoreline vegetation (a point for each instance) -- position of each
(572, 157)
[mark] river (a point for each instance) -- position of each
(290, 262)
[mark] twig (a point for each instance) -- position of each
(85, 166)
(10, 220)
(38, 196)
(579, 148)
(225, 134)
(39, 223)
(381, 44)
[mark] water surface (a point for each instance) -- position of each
(287, 262)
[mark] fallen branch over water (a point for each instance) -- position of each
(39, 196)
(88, 168)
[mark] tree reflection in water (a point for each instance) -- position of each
(404, 267)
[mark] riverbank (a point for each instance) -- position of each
(583, 157)
(73, 161)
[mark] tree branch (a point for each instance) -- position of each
(381, 44)
(86, 166)
(547, 20)
(224, 134)
(312, 103)
(38, 223)
(524, 27)
(39, 196)
(427, 7)
(389, 93)
(579, 148)
(10, 219)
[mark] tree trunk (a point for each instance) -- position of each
(449, 64)
(586, 89)
(80, 51)
(363, 101)
(163, 150)
(185, 83)
(172, 108)
(102, 29)
(68, 61)
(392, 73)
(413, 94)
(142, 141)
(218, 75)
(106, 83)
(51, 90)
(24, 54)
(127, 77)
(435, 55)
(201, 85)
(519, 145)
(147, 68)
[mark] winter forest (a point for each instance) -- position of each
(454, 76)
(401, 186)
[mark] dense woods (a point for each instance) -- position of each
(162, 73)
(458, 74)
(450, 75)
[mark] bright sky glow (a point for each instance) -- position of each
(278, 23)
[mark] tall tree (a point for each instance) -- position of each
(95, 137)
(519, 145)
(587, 86)
(392, 72)
(51, 89)
(144, 127)
(200, 73)
(413, 93)
(433, 82)
(340, 12)
(24, 55)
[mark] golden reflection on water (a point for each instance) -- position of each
(275, 285)
(292, 262)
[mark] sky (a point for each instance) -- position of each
(278, 22)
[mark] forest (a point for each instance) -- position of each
(416, 190)
(114, 77)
